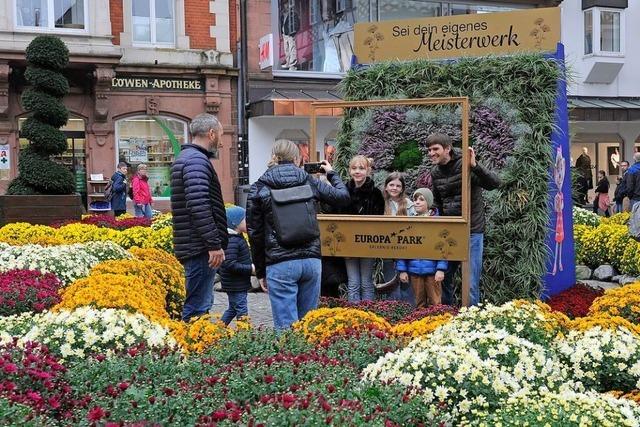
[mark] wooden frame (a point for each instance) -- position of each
(400, 237)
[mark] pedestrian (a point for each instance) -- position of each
(621, 191)
(632, 181)
(425, 275)
(397, 204)
(199, 218)
(446, 175)
(284, 234)
(119, 185)
(366, 199)
(141, 192)
(601, 201)
(236, 270)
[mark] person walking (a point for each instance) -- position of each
(366, 199)
(601, 202)
(199, 217)
(621, 190)
(632, 182)
(119, 184)
(142, 193)
(286, 250)
(236, 270)
(446, 174)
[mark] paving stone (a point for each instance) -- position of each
(625, 280)
(258, 303)
(600, 284)
(583, 272)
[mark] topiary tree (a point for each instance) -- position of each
(38, 174)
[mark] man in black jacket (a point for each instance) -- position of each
(199, 218)
(446, 174)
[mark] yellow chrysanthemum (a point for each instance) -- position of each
(323, 323)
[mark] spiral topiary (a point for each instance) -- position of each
(38, 174)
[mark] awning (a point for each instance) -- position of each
(281, 102)
(598, 109)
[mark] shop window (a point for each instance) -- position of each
(153, 22)
(470, 9)
(603, 31)
(301, 139)
(51, 14)
(154, 142)
(330, 142)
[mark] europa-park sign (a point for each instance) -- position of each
(444, 37)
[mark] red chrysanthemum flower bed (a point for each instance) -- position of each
(391, 310)
(31, 376)
(27, 290)
(108, 221)
(575, 301)
(434, 310)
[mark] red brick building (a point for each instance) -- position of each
(139, 71)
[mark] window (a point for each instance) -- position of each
(51, 14)
(153, 141)
(603, 30)
(588, 32)
(153, 22)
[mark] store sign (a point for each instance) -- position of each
(458, 36)
(138, 151)
(156, 83)
(265, 47)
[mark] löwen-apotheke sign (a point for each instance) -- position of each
(501, 33)
(156, 83)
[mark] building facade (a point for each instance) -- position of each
(139, 71)
(300, 49)
(604, 89)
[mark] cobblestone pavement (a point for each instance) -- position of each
(259, 307)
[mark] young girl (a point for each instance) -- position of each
(397, 204)
(395, 200)
(366, 199)
(425, 275)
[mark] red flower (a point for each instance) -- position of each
(268, 379)
(10, 368)
(96, 414)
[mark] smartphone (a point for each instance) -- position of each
(313, 167)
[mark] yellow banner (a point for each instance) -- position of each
(458, 36)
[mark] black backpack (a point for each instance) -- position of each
(108, 191)
(294, 215)
(130, 192)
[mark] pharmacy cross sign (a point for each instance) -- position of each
(3, 160)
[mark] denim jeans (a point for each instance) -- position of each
(143, 210)
(476, 243)
(237, 306)
(360, 279)
(199, 278)
(294, 289)
(618, 207)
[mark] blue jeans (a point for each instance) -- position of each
(143, 210)
(199, 278)
(360, 279)
(476, 243)
(237, 306)
(294, 289)
(618, 207)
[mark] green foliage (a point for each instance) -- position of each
(48, 52)
(45, 108)
(49, 139)
(408, 156)
(15, 414)
(44, 175)
(45, 80)
(517, 214)
(46, 56)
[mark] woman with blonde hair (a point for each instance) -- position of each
(289, 268)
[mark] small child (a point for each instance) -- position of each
(425, 275)
(236, 270)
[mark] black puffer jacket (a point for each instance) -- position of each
(447, 189)
(265, 248)
(235, 271)
(365, 200)
(199, 218)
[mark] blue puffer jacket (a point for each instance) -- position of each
(119, 199)
(199, 218)
(235, 271)
(422, 267)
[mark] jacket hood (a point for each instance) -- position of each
(634, 168)
(284, 176)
